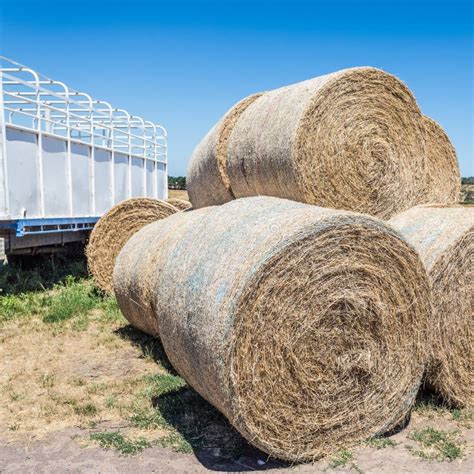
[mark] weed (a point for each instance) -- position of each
(342, 458)
(463, 417)
(436, 444)
(14, 397)
(110, 402)
(147, 419)
(72, 298)
(87, 409)
(125, 446)
(162, 384)
(47, 380)
(381, 443)
(176, 442)
(111, 310)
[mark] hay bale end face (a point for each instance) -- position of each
(444, 239)
(114, 229)
(444, 177)
(305, 326)
(180, 204)
(207, 178)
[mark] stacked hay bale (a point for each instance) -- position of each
(180, 204)
(305, 326)
(354, 139)
(444, 239)
(114, 229)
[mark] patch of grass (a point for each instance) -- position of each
(125, 446)
(71, 299)
(23, 305)
(463, 417)
(436, 444)
(111, 310)
(163, 384)
(47, 380)
(344, 458)
(176, 442)
(86, 409)
(110, 401)
(381, 443)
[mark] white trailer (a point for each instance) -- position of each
(66, 159)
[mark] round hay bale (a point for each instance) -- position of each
(444, 177)
(135, 268)
(180, 204)
(207, 169)
(113, 230)
(304, 326)
(444, 239)
(353, 139)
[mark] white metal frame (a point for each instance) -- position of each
(34, 102)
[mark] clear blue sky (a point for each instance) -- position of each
(183, 63)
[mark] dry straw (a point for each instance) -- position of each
(444, 238)
(353, 139)
(114, 229)
(207, 171)
(305, 326)
(444, 179)
(180, 204)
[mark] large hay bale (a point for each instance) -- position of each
(113, 230)
(305, 326)
(353, 139)
(444, 177)
(180, 204)
(444, 239)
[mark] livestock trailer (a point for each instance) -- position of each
(66, 159)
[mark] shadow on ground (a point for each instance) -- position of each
(149, 345)
(27, 273)
(215, 443)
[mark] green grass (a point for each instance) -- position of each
(381, 443)
(436, 445)
(72, 299)
(463, 417)
(176, 442)
(342, 458)
(86, 409)
(156, 386)
(124, 445)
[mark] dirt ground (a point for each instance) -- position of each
(62, 452)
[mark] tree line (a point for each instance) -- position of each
(176, 182)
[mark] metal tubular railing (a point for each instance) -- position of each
(53, 108)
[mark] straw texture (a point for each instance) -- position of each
(113, 230)
(180, 204)
(444, 177)
(207, 178)
(353, 139)
(444, 239)
(305, 326)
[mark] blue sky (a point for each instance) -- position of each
(184, 63)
